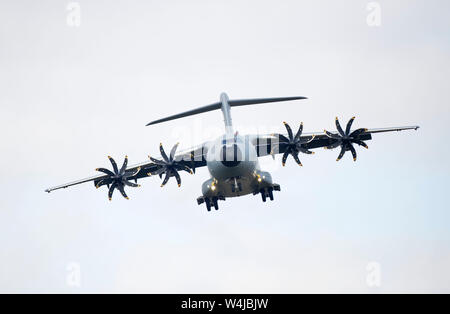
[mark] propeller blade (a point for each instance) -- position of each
(192, 163)
(122, 191)
(177, 177)
(111, 190)
(187, 169)
(99, 184)
(131, 173)
(289, 130)
(305, 150)
(283, 139)
(332, 135)
(128, 183)
(339, 128)
(172, 152)
(307, 139)
(285, 156)
(158, 171)
(358, 132)
(349, 126)
(334, 145)
(299, 132)
(124, 166)
(361, 143)
(156, 161)
(352, 149)
(113, 163)
(106, 171)
(163, 153)
(166, 179)
(341, 154)
(295, 155)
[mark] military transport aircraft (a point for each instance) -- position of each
(232, 159)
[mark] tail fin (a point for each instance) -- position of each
(231, 103)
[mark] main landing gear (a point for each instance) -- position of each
(268, 192)
(210, 201)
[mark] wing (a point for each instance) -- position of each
(194, 158)
(271, 144)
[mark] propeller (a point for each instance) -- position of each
(169, 165)
(294, 144)
(346, 139)
(117, 179)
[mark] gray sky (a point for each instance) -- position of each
(70, 96)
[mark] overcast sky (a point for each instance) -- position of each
(71, 95)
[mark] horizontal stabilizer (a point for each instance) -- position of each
(188, 113)
(231, 102)
(246, 102)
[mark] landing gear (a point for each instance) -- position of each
(268, 192)
(263, 195)
(210, 202)
(216, 206)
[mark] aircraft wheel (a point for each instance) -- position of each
(263, 195)
(270, 192)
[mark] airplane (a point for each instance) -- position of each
(232, 159)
